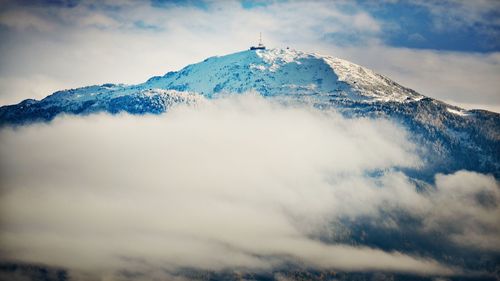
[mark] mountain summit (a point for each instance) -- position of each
(283, 72)
(451, 138)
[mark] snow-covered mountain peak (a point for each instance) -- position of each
(275, 72)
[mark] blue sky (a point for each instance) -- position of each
(418, 26)
(445, 49)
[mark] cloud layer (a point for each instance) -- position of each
(239, 182)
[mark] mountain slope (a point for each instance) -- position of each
(451, 138)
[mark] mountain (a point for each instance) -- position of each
(450, 137)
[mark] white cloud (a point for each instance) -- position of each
(35, 86)
(364, 21)
(471, 199)
(242, 177)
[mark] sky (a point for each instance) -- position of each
(449, 50)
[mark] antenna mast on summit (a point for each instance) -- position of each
(260, 46)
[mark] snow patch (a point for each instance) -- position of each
(257, 67)
(457, 112)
